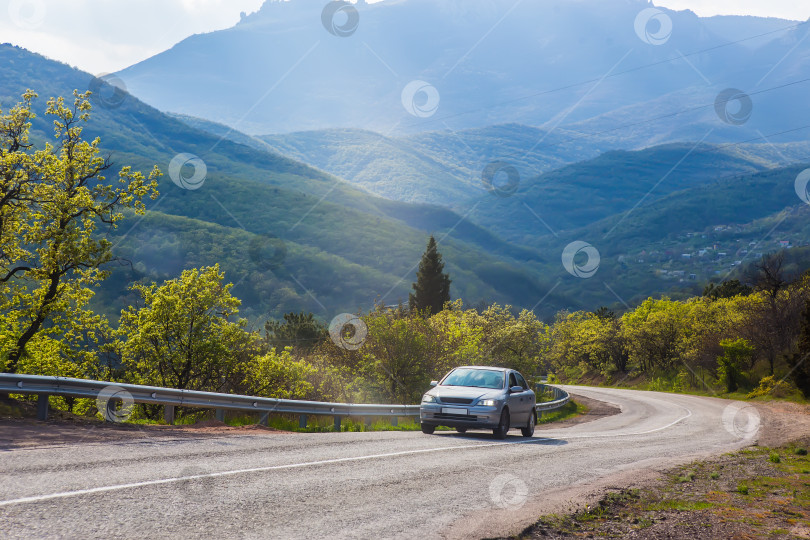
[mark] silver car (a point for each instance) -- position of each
(477, 397)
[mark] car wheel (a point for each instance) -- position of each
(428, 430)
(461, 429)
(503, 426)
(528, 431)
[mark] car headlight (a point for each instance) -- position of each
(427, 398)
(487, 402)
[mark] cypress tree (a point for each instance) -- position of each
(432, 287)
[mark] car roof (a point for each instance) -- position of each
(491, 368)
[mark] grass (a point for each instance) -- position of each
(286, 422)
(688, 477)
(569, 410)
(315, 424)
(679, 505)
(325, 424)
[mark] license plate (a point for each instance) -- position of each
(453, 410)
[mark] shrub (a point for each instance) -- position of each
(768, 386)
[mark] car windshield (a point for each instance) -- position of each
(481, 378)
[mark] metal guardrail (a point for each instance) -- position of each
(45, 386)
(560, 398)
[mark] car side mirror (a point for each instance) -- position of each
(516, 389)
(433, 383)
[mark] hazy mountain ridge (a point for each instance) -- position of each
(569, 197)
(584, 61)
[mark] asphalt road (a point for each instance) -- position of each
(346, 485)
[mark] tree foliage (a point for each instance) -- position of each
(298, 330)
(432, 288)
(726, 289)
(185, 334)
(279, 375)
(736, 353)
(53, 201)
(799, 361)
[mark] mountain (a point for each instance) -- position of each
(445, 168)
(616, 182)
(584, 66)
(437, 167)
(440, 167)
(689, 237)
(290, 236)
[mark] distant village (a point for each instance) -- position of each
(703, 256)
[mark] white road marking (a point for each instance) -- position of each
(591, 436)
(118, 487)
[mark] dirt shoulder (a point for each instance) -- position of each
(753, 493)
(19, 428)
(24, 433)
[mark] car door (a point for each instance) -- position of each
(517, 403)
(529, 400)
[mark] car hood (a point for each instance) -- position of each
(466, 392)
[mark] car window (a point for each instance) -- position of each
(512, 380)
(521, 381)
(479, 378)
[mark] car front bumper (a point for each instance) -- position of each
(476, 417)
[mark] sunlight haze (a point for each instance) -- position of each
(100, 36)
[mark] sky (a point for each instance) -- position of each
(103, 36)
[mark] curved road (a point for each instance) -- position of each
(342, 485)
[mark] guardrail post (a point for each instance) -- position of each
(265, 420)
(219, 414)
(337, 423)
(168, 414)
(394, 421)
(367, 421)
(42, 407)
(302, 421)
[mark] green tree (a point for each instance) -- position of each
(279, 375)
(771, 279)
(186, 335)
(727, 289)
(799, 361)
(399, 354)
(736, 353)
(298, 330)
(655, 331)
(432, 287)
(515, 342)
(605, 313)
(52, 201)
